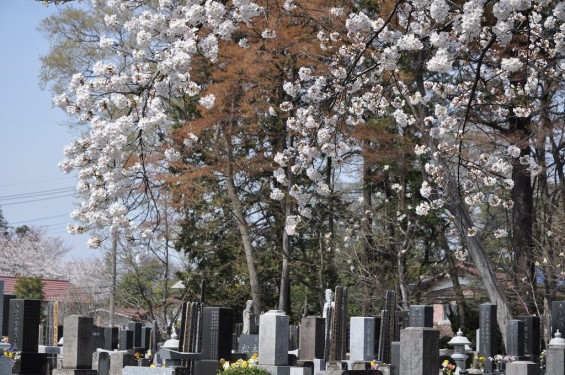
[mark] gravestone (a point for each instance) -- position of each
(312, 341)
(155, 336)
(2, 332)
(5, 366)
(101, 362)
(557, 317)
(362, 340)
(111, 338)
(532, 335)
(146, 338)
(421, 316)
(273, 338)
(23, 333)
(6, 313)
(487, 332)
(419, 351)
(190, 335)
(377, 335)
(78, 346)
(385, 338)
(125, 341)
(135, 327)
(217, 325)
(555, 360)
(293, 337)
(24, 328)
(515, 338)
(98, 339)
(395, 358)
(119, 360)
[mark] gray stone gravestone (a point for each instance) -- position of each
(419, 351)
(101, 362)
(362, 340)
(125, 341)
(78, 346)
(79, 343)
(395, 357)
(421, 316)
(273, 338)
(487, 332)
(312, 342)
(119, 360)
(515, 339)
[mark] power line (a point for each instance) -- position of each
(38, 219)
(35, 182)
(37, 200)
(37, 193)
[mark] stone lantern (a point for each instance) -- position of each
(459, 355)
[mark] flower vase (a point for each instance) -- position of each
(498, 369)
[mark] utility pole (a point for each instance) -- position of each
(114, 280)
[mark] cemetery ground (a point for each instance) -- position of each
(210, 341)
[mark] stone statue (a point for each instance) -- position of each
(249, 319)
(329, 303)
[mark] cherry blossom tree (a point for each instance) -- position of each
(29, 251)
(466, 79)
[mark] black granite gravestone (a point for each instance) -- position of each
(217, 326)
(111, 338)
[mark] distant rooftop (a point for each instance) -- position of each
(53, 290)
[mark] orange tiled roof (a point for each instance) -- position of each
(54, 290)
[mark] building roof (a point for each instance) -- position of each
(53, 290)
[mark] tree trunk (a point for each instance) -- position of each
(475, 247)
(243, 230)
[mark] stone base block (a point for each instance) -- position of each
(136, 370)
(522, 368)
(206, 367)
(70, 371)
(276, 370)
(30, 364)
(350, 372)
(301, 371)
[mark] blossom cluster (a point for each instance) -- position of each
(126, 103)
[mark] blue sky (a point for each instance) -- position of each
(32, 134)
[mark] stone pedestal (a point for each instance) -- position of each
(523, 368)
(555, 361)
(419, 352)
